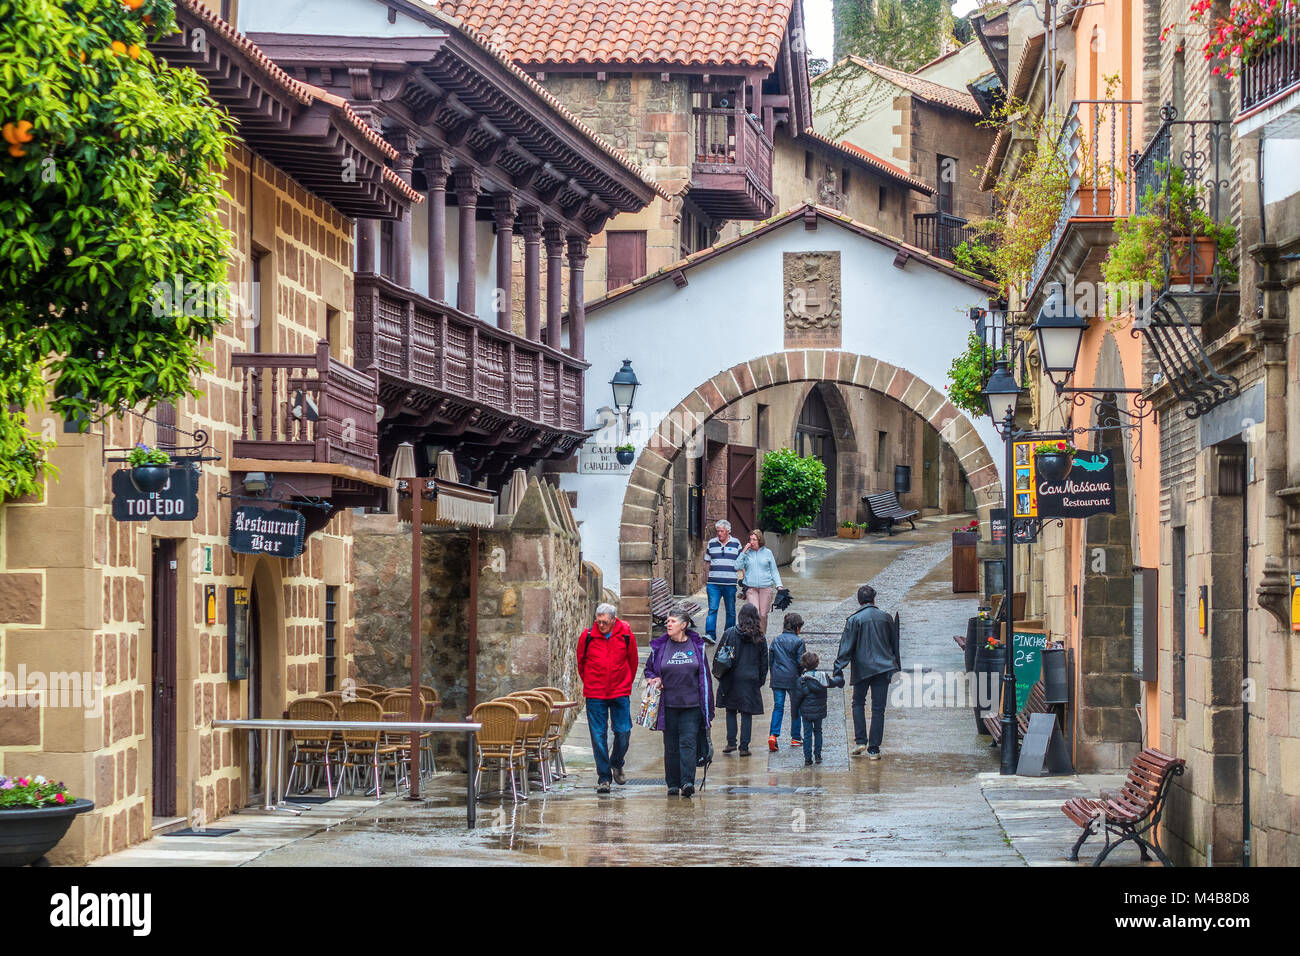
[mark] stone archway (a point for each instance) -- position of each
(654, 465)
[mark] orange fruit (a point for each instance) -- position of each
(133, 51)
(16, 133)
(118, 47)
(133, 4)
(17, 150)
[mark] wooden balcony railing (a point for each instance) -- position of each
(1277, 69)
(306, 408)
(733, 162)
(441, 350)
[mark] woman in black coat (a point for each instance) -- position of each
(740, 690)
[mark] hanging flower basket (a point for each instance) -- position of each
(1053, 460)
(149, 467)
(625, 454)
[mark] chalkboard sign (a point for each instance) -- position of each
(1027, 647)
(177, 501)
(274, 531)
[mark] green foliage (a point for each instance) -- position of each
(904, 34)
(968, 375)
(1138, 253)
(1054, 447)
(793, 489)
(24, 793)
(144, 455)
(112, 188)
(973, 255)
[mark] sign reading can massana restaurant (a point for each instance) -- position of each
(272, 531)
(598, 458)
(177, 501)
(1088, 490)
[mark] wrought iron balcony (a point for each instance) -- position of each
(1095, 144)
(306, 408)
(731, 177)
(1276, 70)
(446, 374)
(940, 233)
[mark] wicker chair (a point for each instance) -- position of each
(364, 749)
(536, 735)
(397, 706)
(498, 741)
(312, 749)
(555, 731)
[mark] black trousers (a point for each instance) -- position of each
(681, 740)
(879, 686)
(746, 728)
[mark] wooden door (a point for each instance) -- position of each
(930, 451)
(815, 438)
(163, 646)
(256, 757)
(742, 489)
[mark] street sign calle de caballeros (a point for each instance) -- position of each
(177, 501)
(271, 531)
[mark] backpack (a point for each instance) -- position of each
(591, 637)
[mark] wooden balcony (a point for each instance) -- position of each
(447, 377)
(731, 177)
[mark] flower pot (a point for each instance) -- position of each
(1054, 466)
(28, 834)
(149, 478)
(1191, 261)
(782, 546)
(1094, 201)
(850, 532)
(625, 456)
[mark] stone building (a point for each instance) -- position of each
(137, 612)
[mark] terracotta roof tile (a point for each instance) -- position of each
(704, 33)
(960, 100)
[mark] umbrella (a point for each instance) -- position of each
(514, 492)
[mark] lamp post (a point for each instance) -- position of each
(1002, 388)
(624, 384)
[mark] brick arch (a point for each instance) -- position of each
(655, 462)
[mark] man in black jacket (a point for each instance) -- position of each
(869, 647)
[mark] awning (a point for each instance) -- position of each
(454, 504)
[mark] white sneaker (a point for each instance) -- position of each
(858, 751)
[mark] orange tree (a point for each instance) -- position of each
(110, 179)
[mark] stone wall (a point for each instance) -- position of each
(861, 201)
(535, 595)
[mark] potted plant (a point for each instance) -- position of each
(1054, 459)
(793, 490)
(850, 530)
(625, 453)
(148, 467)
(990, 662)
(968, 375)
(35, 813)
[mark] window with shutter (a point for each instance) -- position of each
(625, 257)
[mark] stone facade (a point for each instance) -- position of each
(535, 596)
(77, 585)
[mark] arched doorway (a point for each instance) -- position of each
(264, 694)
(815, 438)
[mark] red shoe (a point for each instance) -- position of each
(796, 742)
(771, 743)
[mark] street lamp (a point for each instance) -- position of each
(624, 383)
(1003, 392)
(1059, 330)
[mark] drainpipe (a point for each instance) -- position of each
(1245, 661)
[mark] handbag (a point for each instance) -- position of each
(649, 715)
(724, 658)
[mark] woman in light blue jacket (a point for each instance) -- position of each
(757, 566)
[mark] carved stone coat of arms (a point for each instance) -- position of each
(812, 298)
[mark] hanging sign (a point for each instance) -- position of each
(998, 525)
(1024, 530)
(275, 532)
(1088, 490)
(177, 501)
(600, 458)
(1295, 602)
(1025, 498)
(1202, 607)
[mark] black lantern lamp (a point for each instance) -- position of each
(1001, 392)
(624, 383)
(1060, 333)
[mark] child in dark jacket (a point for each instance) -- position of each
(810, 703)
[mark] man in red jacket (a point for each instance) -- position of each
(607, 664)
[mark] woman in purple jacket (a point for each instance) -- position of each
(677, 666)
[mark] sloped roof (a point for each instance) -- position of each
(873, 162)
(687, 32)
(800, 211)
(959, 100)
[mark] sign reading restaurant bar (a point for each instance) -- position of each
(177, 501)
(275, 532)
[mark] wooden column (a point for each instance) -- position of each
(577, 314)
(367, 244)
(437, 170)
(554, 283)
(505, 209)
(402, 224)
(531, 225)
(467, 187)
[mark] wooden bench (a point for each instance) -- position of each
(662, 601)
(883, 510)
(1036, 703)
(1133, 811)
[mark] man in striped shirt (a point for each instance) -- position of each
(720, 556)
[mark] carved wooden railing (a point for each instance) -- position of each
(306, 408)
(437, 347)
(728, 138)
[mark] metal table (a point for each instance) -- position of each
(283, 726)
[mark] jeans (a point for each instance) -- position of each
(778, 705)
(879, 685)
(726, 593)
(600, 713)
(681, 743)
(746, 727)
(812, 729)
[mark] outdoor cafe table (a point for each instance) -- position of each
(283, 726)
